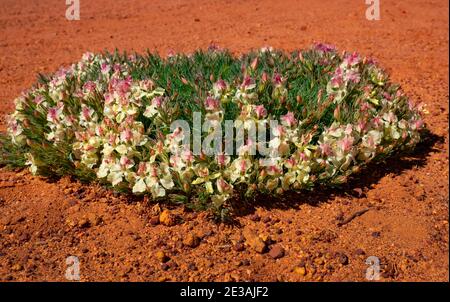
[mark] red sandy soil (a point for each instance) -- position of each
(406, 227)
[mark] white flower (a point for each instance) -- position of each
(103, 170)
(122, 149)
(140, 186)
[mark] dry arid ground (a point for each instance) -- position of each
(42, 222)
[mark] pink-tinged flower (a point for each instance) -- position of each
(346, 143)
(352, 59)
(213, 47)
(80, 136)
(171, 53)
(223, 186)
(81, 66)
(177, 135)
(367, 90)
(159, 147)
(15, 128)
(250, 143)
(132, 58)
(112, 139)
(348, 129)
(260, 111)
(212, 104)
(105, 68)
(264, 77)
(125, 161)
(87, 56)
(411, 105)
(112, 84)
(61, 74)
(290, 162)
(390, 117)
(70, 120)
(279, 130)
(303, 156)
(222, 160)
(277, 79)
(123, 86)
(353, 76)
(364, 107)
(220, 85)
(362, 125)
(273, 170)
(99, 130)
(117, 68)
(86, 112)
(89, 148)
(377, 121)
(247, 82)
(126, 135)
(337, 80)
(157, 101)
(399, 93)
(417, 124)
(153, 171)
(387, 96)
(325, 48)
(325, 149)
(129, 120)
(38, 99)
(108, 98)
(203, 172)
(142, 168)
(370, 142)
(243, 166)
(370, 61)
(187, 156)
(265, 49)
(108, 122)
(289, 119)
(52, 115)
(254, 63)
(175, 161)
(147, 84)
(247, 147)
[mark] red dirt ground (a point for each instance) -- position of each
(43, 222)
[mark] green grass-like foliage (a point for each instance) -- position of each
(107, 118)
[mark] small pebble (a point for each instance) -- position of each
(161, 256)
(245, 262)
(154, 220)
(276, 252)
(359, 252)
(191, 240)
(343, 259)
(239, 247)
(254, 217)
(266, 219)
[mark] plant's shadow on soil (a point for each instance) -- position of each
(356, 186)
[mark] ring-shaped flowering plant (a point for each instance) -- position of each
(110, 117)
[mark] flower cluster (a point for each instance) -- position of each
(110, 116)
(344, 76)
